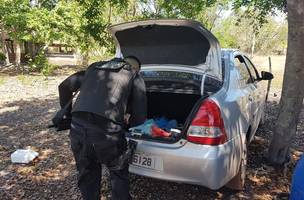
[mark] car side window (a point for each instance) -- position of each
(253, 71)
(245, 77)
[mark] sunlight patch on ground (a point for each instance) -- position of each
(60, 173)
(263, 197)
(2, 80)
(52, 110)
(8, 109)
(26, 170)
(44, 154)
(3, 173)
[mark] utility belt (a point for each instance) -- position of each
(97, 121)
(111, 149)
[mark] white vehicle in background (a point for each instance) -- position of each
(217, 96)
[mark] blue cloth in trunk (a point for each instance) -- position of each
(165, 124)
(145, 128)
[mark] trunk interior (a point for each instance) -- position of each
(173, 95)
(172, 106)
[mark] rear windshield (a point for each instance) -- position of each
(172, 81)
(173, 75)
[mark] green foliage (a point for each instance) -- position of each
(83, 24)
(243, 33)
(2, 57)
(260, 9)
(212, 15)
(188, 9)
(96, 21)
(272, 37)
(264, 6)
(41, 64)
(49, 69)
(13, 17)
(49, 4)
(61, 24)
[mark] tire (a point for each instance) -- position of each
(238, 182)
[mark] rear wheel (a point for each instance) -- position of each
(238, 182)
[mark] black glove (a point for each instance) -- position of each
(64, 124)
(61, 121)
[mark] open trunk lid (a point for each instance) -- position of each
(170, 43)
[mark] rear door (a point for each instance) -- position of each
(247, 87)
(258, 93)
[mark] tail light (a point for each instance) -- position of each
(207, 127)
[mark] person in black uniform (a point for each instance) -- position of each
(108, 91)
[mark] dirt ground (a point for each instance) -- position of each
(27, 103)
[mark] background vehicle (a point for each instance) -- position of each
(217, 96)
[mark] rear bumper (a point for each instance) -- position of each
(209, 166)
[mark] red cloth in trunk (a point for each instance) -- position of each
(158, 132)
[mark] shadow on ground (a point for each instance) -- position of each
(12, 70)
(53, 176)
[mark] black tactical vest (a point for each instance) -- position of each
(105, 90)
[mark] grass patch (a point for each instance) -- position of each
(30, 79)
(2, 80)
(25, 80)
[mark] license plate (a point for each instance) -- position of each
(147, 161)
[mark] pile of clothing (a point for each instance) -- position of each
(158, 127)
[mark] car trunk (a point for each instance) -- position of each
(172, 106)
(175, 99)
(176, 57)
(172, 95)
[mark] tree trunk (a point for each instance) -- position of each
(293, 91)
(253, 44)
(4, 48)
(134, 9)
(18, 53)
(85, 59)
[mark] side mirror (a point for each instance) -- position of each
(266, 76)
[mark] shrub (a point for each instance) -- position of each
(41, 64)
(2, 57)
(48, 69)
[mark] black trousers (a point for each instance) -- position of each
(84, 144)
